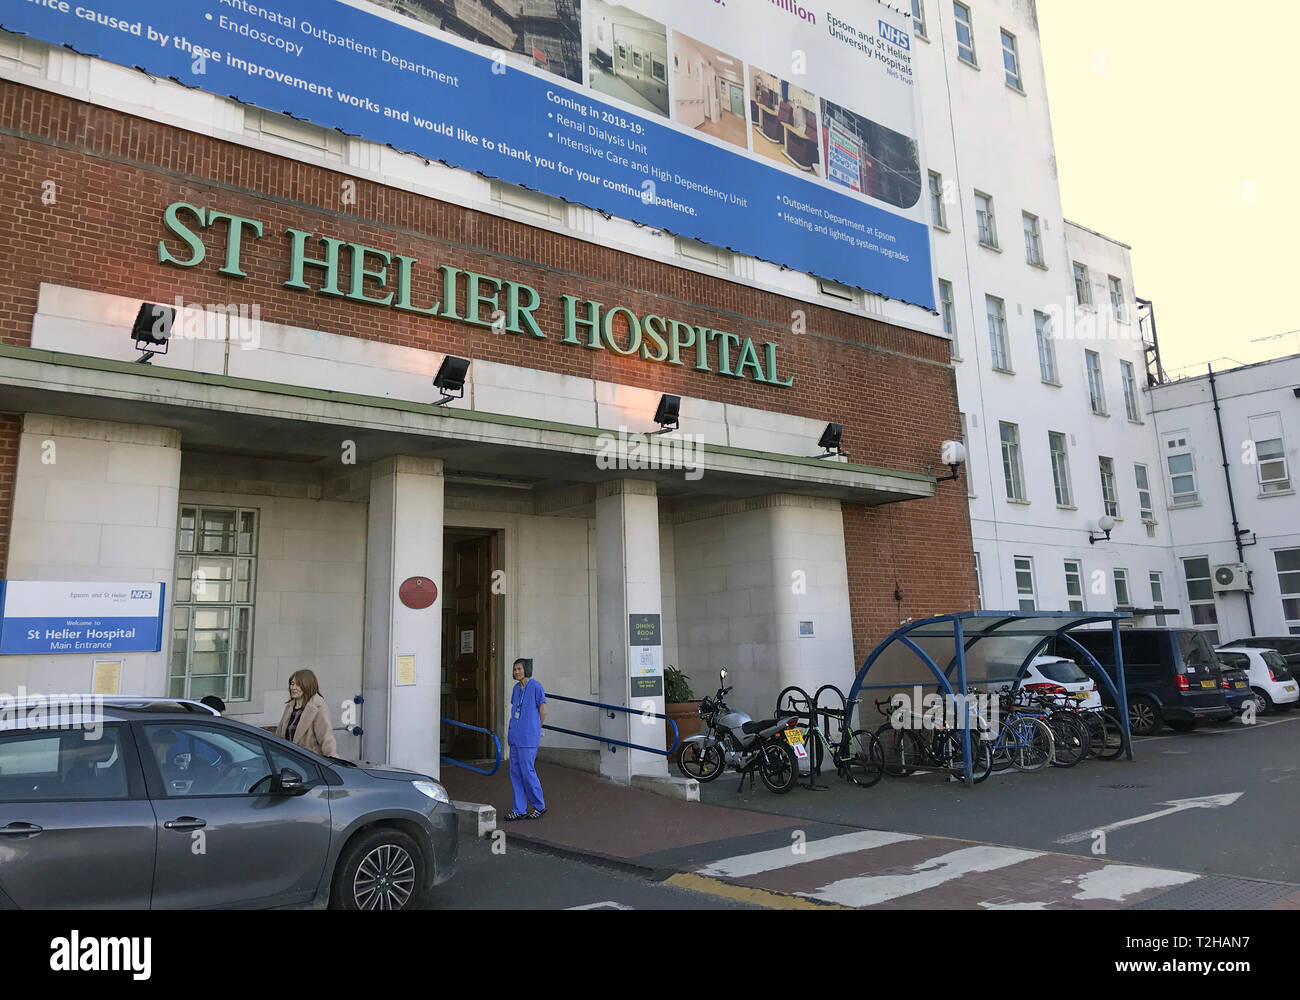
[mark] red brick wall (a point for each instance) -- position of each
(11, 428)
(115, 174)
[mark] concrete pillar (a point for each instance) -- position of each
(94, 501)
(628, 584)
(404, 540)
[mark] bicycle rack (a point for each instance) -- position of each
(815, 709)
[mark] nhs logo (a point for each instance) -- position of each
(895, 36)
(141, 595)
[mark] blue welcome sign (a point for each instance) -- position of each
(42, 617)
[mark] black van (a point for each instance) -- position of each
(1171, 675)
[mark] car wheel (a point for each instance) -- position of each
(1143, 717)
(1182, 725)
(1266, 706)
(380, 870)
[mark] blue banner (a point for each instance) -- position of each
(354, 70)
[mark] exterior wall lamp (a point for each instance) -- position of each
(953, 455)
(152, 331)
(1105, 525)
(450, 380)
(668, 413)
(830, 440)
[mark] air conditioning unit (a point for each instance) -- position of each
(1232, 576)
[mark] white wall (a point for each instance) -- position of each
(93, 501)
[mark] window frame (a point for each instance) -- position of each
(937, 206)
(1211, 625)
(1013, 471)
(1074, 570)
(969, 24)
(1033, 583)
(1106, 471)
(1145, 509)
(986, 222)
(1048, 372)
(918, 20)
(1128, 379)
(995, 312)
(1290, 598)
(1082, 283)
(1016, 83)
(1096, 383)
(1117, 305)
(1033, 239)
(1061, 469)
(1156, 581)
(1119, 577)
(1171, 448)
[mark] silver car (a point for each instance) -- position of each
(162, 804)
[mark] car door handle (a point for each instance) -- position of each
(186, 823)
(20, 830)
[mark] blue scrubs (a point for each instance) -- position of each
(524, 737)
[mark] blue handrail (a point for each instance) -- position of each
(609, 740)
(470, 767)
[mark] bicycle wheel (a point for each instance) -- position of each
(866, 761)
(779, 767)
(901, 750)
(793, 701)
(1071, 737)
(948, 749)
(701, 763)
(1033, 744)
(1113, 736)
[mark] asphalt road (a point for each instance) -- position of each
(1256, 836)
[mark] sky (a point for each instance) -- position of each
(1177, 132)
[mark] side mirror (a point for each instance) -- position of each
(289, 783)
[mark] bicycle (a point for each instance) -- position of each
(1024, 741)
(857, 756)
(1068, 730)
(907, 750)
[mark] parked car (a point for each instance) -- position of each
(1287, 645)
(162, 804)
(1171, 676)
(1241, 697)
(1057, 673)
(1269, 675)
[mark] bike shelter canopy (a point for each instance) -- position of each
(990, 647)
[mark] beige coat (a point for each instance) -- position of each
(315, 731)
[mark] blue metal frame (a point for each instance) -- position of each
(613, 742)
(470, 767)
(962, 645)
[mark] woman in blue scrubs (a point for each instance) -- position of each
(527, 713)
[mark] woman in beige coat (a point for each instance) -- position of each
(306, 719)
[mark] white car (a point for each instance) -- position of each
(1270, 677)
(1047, 672)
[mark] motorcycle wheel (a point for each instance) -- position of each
(779, 768)
(703, 763)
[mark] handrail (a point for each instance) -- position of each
(609, 740)
(470, 767)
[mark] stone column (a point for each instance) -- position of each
(627, 584)
(404, 540)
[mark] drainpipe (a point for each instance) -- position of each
(1232, 504)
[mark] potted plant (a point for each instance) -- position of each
(680, 706)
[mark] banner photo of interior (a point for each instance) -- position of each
(866, 156)
(627, 56)
(545, 34)
(784, 122)
(709, 90)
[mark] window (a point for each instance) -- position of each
(938, 215)
(1116, 297)
(212, 619)
(1145, 510)
(997, 314)
(1288, 584)
(1182, 473)
(1060, 468)
(1109, 498)
(965, 33)
(1082, 287)
(1121, 589)
(949, 312)
(44, 765)
(1025, 582)
(1200, 596)
(1074, 585)
(202, 761)
(1033, 239)
(1096, 390)
(1046, 348)
(1270, 454)
(979, 582)
(1130, 391)
(918, 18)
(1011, 468)
(1158, 595)
(1011, 60)
(984, 220)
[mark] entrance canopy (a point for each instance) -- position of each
(988, 648)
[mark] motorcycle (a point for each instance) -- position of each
(732, 739)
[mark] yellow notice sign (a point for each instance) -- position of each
(405, 670)
(107, 678)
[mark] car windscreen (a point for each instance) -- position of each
(1062, 671)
